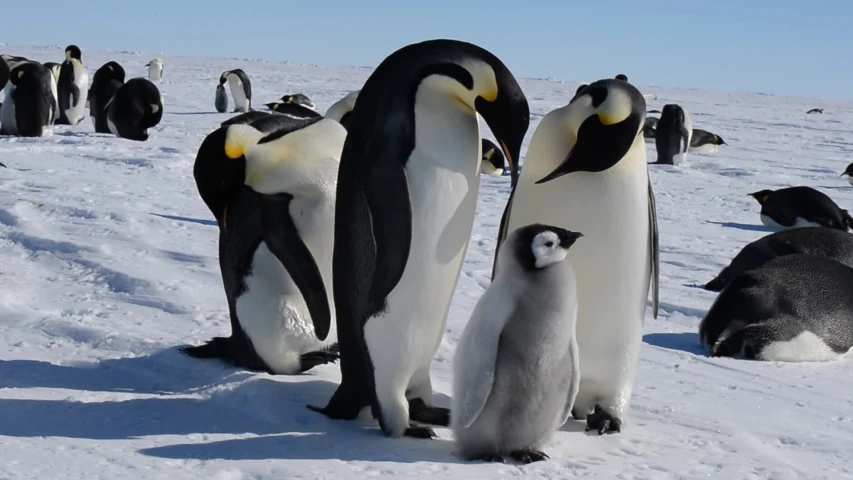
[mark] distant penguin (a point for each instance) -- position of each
(4, 73)
(13, 61)
(703, 141)
(849, 172)
(247, 117)
(494, 162)
(672, 135)
(221, 101)
(299, 99)
(73, 88)
(29, 109)
(105, 84)
(292, 109)
(275, 242)
(241, 89)
(795, 207)
(136, 107)
(795, 308)
(821, 241)
(818, 111)
(649, 129)
(155, 69)
(54, 68)
(521, 333)
(342, 109)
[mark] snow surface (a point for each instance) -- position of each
(109, 263)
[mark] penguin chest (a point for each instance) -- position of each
(237, 92)
(705, 148)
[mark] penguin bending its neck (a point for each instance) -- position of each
(407, 192)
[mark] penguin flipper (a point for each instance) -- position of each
(654, 244)
(283, 240)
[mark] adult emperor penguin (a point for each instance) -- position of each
(795, 308)
(824, 242)
(292, 109)
(801, 206)
(241, 88)
(342, 109)
(29, 108)
(247, 117)
(407, 192)
(849, 172)
(299, 99)
(494, 162)
(4, 73)
(135, 108)
(221, 101)
(703, 141)
(155, 69)
(106, 82)
(586, 170)
(522, 332)
(73, 88)
(54, 68)
(672, 135)
(275, 243)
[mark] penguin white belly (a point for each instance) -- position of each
(272, 311)
(155, 72)
(8, 124)
(76, 111)
(707, 148)
(241, 103)
(612, 268)
(850, 179)
(798, 223)
(805, 347)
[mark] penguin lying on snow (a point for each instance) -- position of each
(522, 332)
(29, 109)
(821, 241)
(247, 117)
(292, 109)
(795, 308)
(795, 207)
(849, 172)
(135, 108)
(105, 84)
(818, 111)
(703, 141)
(298, 99)
(275, 240)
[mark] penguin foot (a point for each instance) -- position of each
(488, 457)
(420, 412)
(311, 359)
(602, 422)
(424, 433)
(528, 456)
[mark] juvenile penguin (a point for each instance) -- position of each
(241, 89)
(292, 109)
(221, 101)
(30, 106)
(494, 162)
(155, 69)
(341, 109)
(586, 169)
(795, 308)
(72, 88)
(649, 129)
(821, 241)
(703, 141)
(105, 84)
(795, 207)
(299, 99)
(521, 333)
(275, 242)
(849, 172)
(135, 108)
(407, 193)
(672, 135)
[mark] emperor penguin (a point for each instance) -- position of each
(586, 170)
(672, 135)
(794, 308)
(703, 141)
(649, 129)
(73, 87)
(54, 68)
(849, 172)
(292, 109)
(155, 69)
(247, 117)
(299, 99)
(221, 101)
(494, 162)
(522, 332)
(135, 109)
(801, 206)
(406, 197)
(273, 193)
(29, 108)
(241, 88)
(342, 109)
(106, 82)
(5, 71)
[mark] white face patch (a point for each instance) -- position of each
(547, 250)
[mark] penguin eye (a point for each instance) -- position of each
(549, 244)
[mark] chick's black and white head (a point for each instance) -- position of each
(539, 246)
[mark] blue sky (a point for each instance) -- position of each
(783, 46)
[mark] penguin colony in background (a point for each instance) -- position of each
(341, 240)
(41, 95)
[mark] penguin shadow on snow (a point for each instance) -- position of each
(744, 226)
(683, 341)
(210, 223)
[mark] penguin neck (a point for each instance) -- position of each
(551, 143)
(447, 132)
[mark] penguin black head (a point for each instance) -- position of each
(272, 106)
(622, 77)
(718, 140)
(298, 99)
(73, 51)
(224, 77)
(761, 196)
(538, 246)
(115, 70)
(604, 119)
(848, 171)
(218, 177)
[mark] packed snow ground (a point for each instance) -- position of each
(108, 263)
